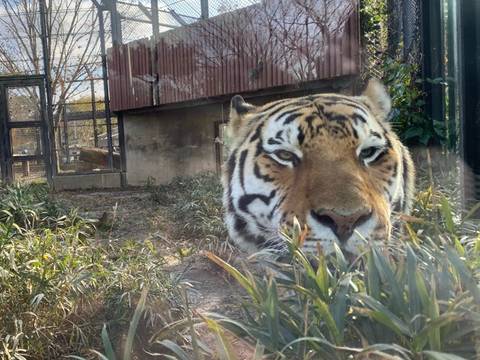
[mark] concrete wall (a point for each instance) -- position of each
(160, 145)
(86, 181)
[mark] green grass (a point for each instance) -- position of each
(422, 305)
(59, 287)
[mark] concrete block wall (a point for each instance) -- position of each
(86, 181)
(161, 145)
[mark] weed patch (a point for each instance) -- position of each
(59, 287)
(194, 205)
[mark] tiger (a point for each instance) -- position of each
(331, 161)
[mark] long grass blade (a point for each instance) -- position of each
(107, 344)
(434, 355)
(223, 343)
(241, 279)
(127, 353)
(177, 350)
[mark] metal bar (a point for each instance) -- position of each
(116, 22)
(105, 88)
(433, 58)
(3, 133)
(99, 6)
(47, 135)
(19, 158)
(24, 124)
(50, 154)
(85, 115)
(147, 21)
(452, 74)
(204, 9)
(94, 113)
(177, 17)
(154, 18)
(21, 80)
(154, 52)
(82, 102)
(145, 11)
(65, 135)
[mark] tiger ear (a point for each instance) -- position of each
(377, 98)
(238, 109)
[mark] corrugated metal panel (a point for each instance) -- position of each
(223, 60)
(130, 76)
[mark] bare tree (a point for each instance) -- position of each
(72, 44)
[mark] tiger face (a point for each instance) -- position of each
(329, 160)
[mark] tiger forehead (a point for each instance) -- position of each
(299, 121)
(329, 107)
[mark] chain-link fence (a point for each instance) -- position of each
(391, 29)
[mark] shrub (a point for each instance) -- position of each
(59, 286)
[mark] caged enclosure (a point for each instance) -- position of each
(221, 179)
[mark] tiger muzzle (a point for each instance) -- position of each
(342, 225)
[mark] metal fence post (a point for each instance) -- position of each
(51, 165)
(94, 112)
(470, 101)
(433, 51)
(103, 52)
(204, 9)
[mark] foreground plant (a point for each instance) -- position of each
(408, 302)
(59, 286)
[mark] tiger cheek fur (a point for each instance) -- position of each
(329, 160)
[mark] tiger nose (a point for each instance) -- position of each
(342, 225)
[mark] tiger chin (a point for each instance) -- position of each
(329, 160)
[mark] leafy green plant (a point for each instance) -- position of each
(423, 304)
(408, 116)
(28, 206)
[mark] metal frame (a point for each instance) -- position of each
(470, 99)
(7, 158)
(433, 66)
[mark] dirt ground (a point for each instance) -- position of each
(132, 215)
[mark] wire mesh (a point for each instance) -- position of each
(136, 21)
(384, 38)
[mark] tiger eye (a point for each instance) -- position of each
(368, 152)
(285, 155)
